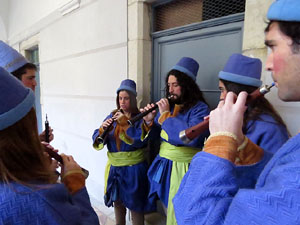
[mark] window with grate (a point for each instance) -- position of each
(182, 12)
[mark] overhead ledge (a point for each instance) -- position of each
(69, 7)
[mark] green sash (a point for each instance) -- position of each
(122, 159)
(178, 154)
(181, 157)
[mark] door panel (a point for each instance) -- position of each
(32, 55)
(210, 46)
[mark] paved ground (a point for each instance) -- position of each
(106, 217)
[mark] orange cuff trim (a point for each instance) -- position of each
(222, 146)
(74, 182)
(251, 154)
(165, 115)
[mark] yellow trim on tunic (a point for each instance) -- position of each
(164, 135)
(145, 130)
(122, 159)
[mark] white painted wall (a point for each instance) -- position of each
(24, 14)
(4, 7)
(83, 58)
(3, 35)
(288, 110)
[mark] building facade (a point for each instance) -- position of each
(86, 47)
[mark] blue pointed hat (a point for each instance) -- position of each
(187, 65)
(128, 85)
(284, 10)
(10, 59)
(242, 70)
(15, 99)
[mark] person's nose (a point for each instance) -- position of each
(34, 83)
(269, 62)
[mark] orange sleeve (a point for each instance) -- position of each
(226, 148)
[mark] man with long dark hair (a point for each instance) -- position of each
(186, 108)
(209, 193)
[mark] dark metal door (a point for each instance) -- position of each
(210, 43)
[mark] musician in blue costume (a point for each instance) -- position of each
(186, 109)
(262, 124)
(126, 183)
(29, 193)
(17, 65)
(210, 193)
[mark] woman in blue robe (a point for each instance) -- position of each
(262, 124)
(29, 193)
(126, 184)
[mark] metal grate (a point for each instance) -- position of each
(177, 13)
(182, 12)
(218, 8)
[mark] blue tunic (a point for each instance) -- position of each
(128, 183)
(267, 133)
(209, 197)
(270, 136)
(50, 204)
(160, 171)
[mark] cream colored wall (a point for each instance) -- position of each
(139, 48)
(3, 35)
(31, 12)
(83, 58)
(253, 45)
(3, 19)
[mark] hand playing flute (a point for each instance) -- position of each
(53, 163)
(109, 121)
(43, 135)
(163, 105)
(117, 115)
(150, 116)
(228, 116)
(106, 123)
